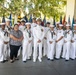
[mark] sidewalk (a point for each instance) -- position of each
(56, 67)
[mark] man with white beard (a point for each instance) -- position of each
(51, 38)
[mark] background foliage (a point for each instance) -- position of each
(49, 8)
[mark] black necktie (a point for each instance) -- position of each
(52, 34)
(66, 33)
(5, 33)
(29, 33)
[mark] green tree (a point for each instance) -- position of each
(2, 8)
(50, 8)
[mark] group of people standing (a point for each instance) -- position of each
(33, 39)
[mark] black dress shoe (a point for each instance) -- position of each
(61, 57)
(5, 60)
(29, 59)
(71, 59)
(24, 61)
(57, 58)
(52, 59)
(48, 58)
(66, 60)
(2, 62)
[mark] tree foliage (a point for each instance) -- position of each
(35, 7)
(48, 7)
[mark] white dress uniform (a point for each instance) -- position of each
(21, 28)
(51, 36)
(32, 27)
(59, 44)
(6, 46)
(46, 29)
(27, 47)
(38, 33)
(8, 29)
(67, 44)
(3, 48)
(73, 47)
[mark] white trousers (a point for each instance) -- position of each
(51, 50)
(5, 51)
(1, 52)
(35, 52)
(66, 50)
(73, 50)
(44, 47)
(58, 49)
(27, 51)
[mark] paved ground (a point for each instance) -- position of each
(56, 67)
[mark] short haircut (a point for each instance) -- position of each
(48, 23)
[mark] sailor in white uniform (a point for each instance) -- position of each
(8, 28)
(6, 45)
(22, 27)
(46, 29)
(73, 42)
(59, 41)
(3, 43)
(33, 24)
(38, 33)
(27, 43)
(67, 43)
(51, 38)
